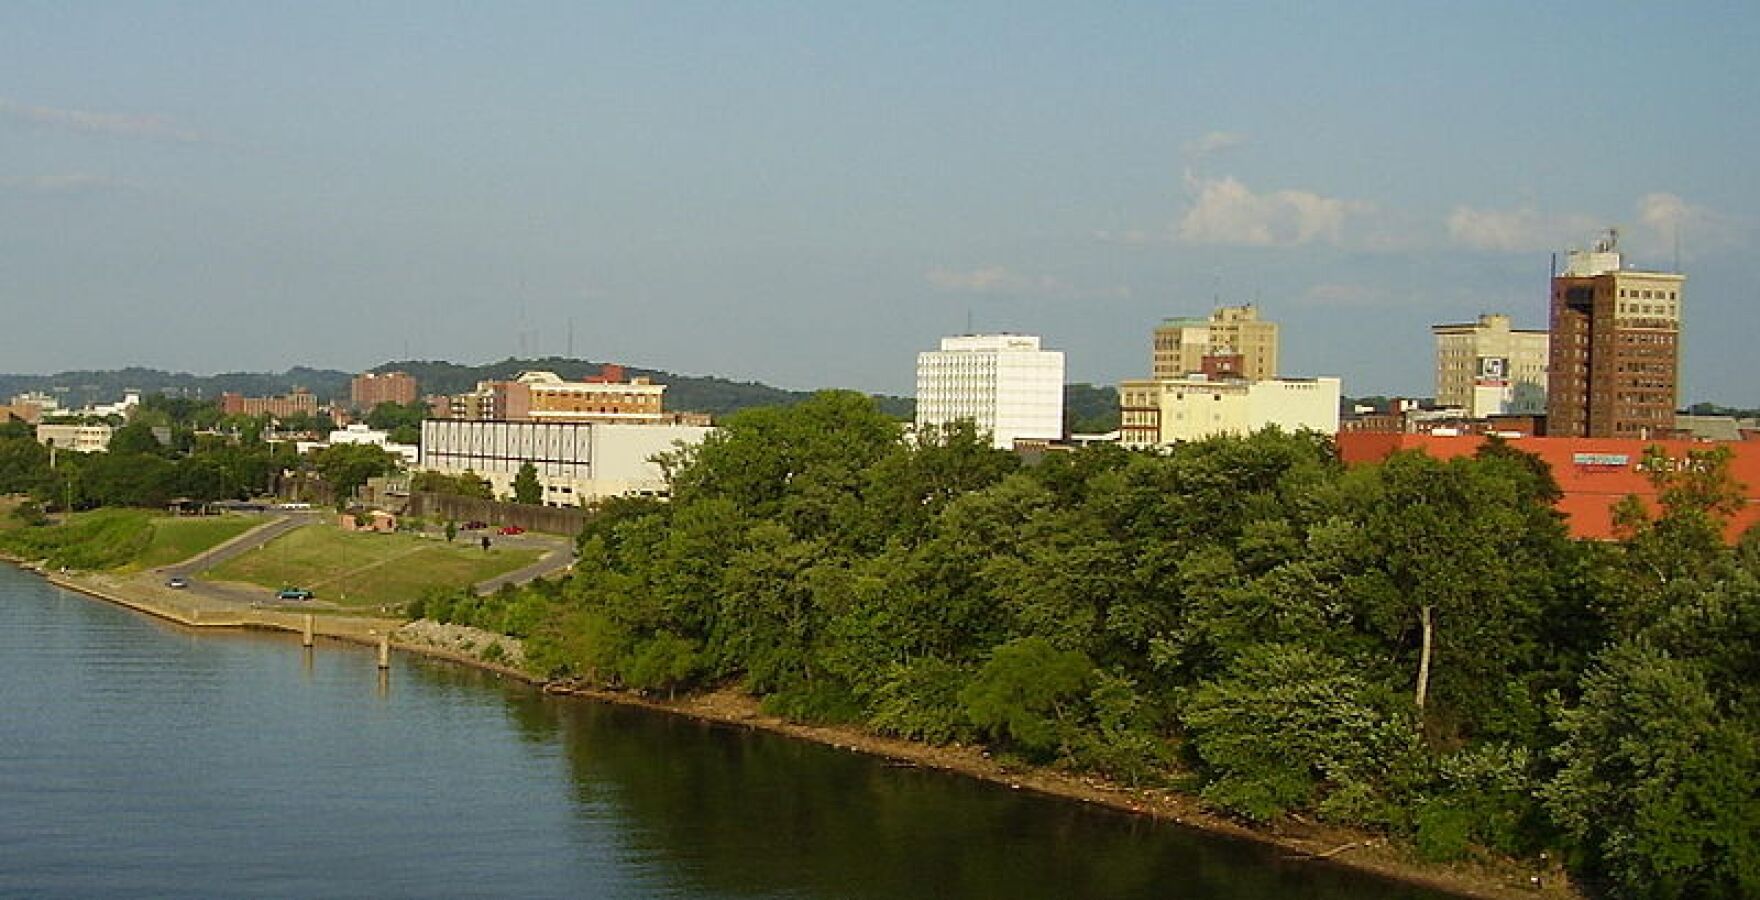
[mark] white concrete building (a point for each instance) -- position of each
(577, 462)
(360, 433)
(1004, 383)
(77, 438)
(1159, 411)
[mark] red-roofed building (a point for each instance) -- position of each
(1594, 473)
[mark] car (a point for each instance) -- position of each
(177, 582)
(512, 529)
(293, 593)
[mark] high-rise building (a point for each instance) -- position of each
(1003, 383)
(1183, 346)
(1488, 368)
(369, 389)
(1615, 354)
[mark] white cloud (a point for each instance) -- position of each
(1212, 143)
(1004, 281)
(1519, 230)
(121, 124)
(53, 184)
(1666, 217)
(1226, 211)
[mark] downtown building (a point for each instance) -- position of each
(1487, 368)
(1233, 340)
(1157, 412)
(1005, 384)
(1615, 347)
(577, 462)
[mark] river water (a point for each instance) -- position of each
(141, 759)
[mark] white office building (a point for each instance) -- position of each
(577, 462)
(1004, 383)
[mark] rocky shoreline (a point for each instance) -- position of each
(1301, 839)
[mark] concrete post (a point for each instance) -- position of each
(385, 651)
(305, 636)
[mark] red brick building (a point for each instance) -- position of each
(369, 389)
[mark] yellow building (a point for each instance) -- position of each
(1159, 411)
(1183, 345)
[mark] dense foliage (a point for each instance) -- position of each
(1415, 647)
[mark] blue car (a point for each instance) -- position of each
(293, 593)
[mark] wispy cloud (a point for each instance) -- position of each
(1225, 211)
(1522, 230)
(1667, 218)
(57, 184)
(1211, 144)
(151, 127)
(1002, 281)
(1660, 218)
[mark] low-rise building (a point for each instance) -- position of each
(576, 462)
(1488, 368)
(77, 438)
(540, 396)
(1156, 412)
(1594, 474)
(300, 401)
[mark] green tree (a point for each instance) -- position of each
(526, 488)
(1029, 693)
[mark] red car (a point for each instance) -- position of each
(512, 529)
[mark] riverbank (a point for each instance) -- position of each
(1301, 839)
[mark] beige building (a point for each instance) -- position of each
(1488, 368)
(1615, 347)
(545, 397)
(1159, 411)
(1233, 340)
(576, 462)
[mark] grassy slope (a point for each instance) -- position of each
(177, 539)
(362, 569)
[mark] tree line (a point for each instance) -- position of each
(1415, 647)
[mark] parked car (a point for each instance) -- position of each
(512, 529)
(293, 593)
(177, 583)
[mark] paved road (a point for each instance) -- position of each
(558, 555)
(232, 592)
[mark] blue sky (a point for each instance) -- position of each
(808, 194)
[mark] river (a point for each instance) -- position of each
(141, 759)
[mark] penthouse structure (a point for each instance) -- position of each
(1615, 347)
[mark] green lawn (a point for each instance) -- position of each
(365, 569)
(176, 539)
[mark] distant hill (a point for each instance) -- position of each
(717, 396)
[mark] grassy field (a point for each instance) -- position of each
(364, 569)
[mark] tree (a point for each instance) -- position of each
(1028, 694)
(526, 488)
